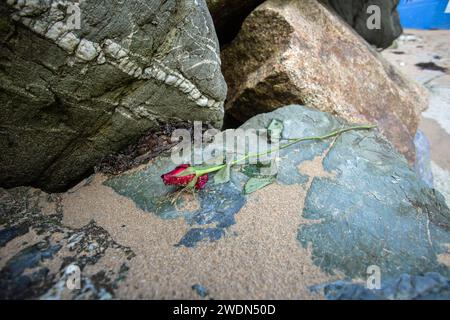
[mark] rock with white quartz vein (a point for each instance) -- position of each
(72, 93)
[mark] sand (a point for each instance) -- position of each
(259, 257)
(430, 46)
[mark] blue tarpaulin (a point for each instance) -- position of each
(425, 14)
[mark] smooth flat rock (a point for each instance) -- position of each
(430, 286)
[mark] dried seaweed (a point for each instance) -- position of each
(150, 145)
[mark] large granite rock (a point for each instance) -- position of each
(355, 13)
(301, 52)
(337, 207)
(72, 94)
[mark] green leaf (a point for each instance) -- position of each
(223, 175)
(275, 129)
(253, 170)
(254, 184)
(202, 167)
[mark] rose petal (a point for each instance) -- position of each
(173, 178)
(201, 182)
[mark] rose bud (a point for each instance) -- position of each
(181, 177)
(202, 180)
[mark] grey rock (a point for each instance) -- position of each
(373, 209)
(430, 286)
(82, 93)
(422, 164)
(355, 13)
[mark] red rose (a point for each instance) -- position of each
(202, 180)
(177, 178)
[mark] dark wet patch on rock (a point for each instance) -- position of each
(14, 284)
(195, 235)
(9, 234)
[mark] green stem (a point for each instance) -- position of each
(287, 145)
